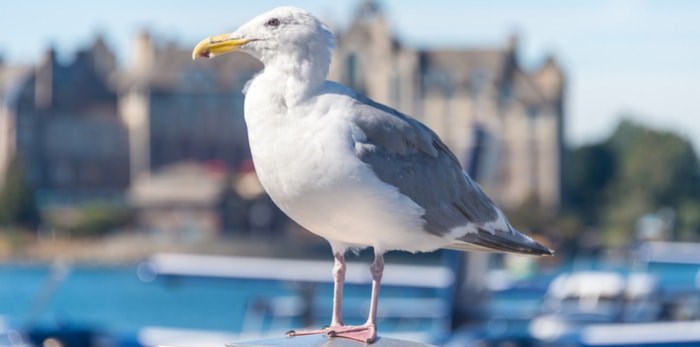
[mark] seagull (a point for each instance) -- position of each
(351, 170)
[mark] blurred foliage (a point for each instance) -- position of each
(688, 221)
(611, 184)
(17, 204)
(13, 242)
(653, 170)
(91, 220)
(592, 170)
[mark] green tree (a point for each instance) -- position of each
(654, 169)
(636, 171)
(591, 172)
(17, 204)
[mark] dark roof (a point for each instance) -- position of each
(173, 68)
(462, 68)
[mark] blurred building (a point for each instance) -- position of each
(182, 111)
(177, 109)
(480, 101)
(142, 135)
(61, 119)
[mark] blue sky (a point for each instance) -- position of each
(640, 58)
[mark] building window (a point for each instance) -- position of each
(477, 81)
(506, 92)
(396, 89)
(441, 80)
(353, 77)
(532, 113)
(532, 116)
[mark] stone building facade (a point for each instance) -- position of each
(485, 106)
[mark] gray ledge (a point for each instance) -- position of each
(324, 341)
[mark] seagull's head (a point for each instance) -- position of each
(285, 32)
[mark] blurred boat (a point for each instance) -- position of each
(657, 334)
(576, 300)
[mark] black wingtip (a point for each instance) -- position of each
(507, 242)
(541, 250)
(546, 252)
(538, 250)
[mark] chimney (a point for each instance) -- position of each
(513, 42)
(143, 54)
(102, 57)
(43, 85)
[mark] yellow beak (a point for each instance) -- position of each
(217, 45)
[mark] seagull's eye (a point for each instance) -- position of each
(274, 22)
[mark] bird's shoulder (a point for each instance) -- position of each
(382, 126)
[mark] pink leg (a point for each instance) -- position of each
(338, 283)
(368, 331)
(363, 333)
(377, 269)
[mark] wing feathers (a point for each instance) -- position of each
(404, 153)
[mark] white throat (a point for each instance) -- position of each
(294, 75)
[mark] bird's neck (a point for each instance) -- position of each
(295, 78)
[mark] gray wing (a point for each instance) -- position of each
(406, 154)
